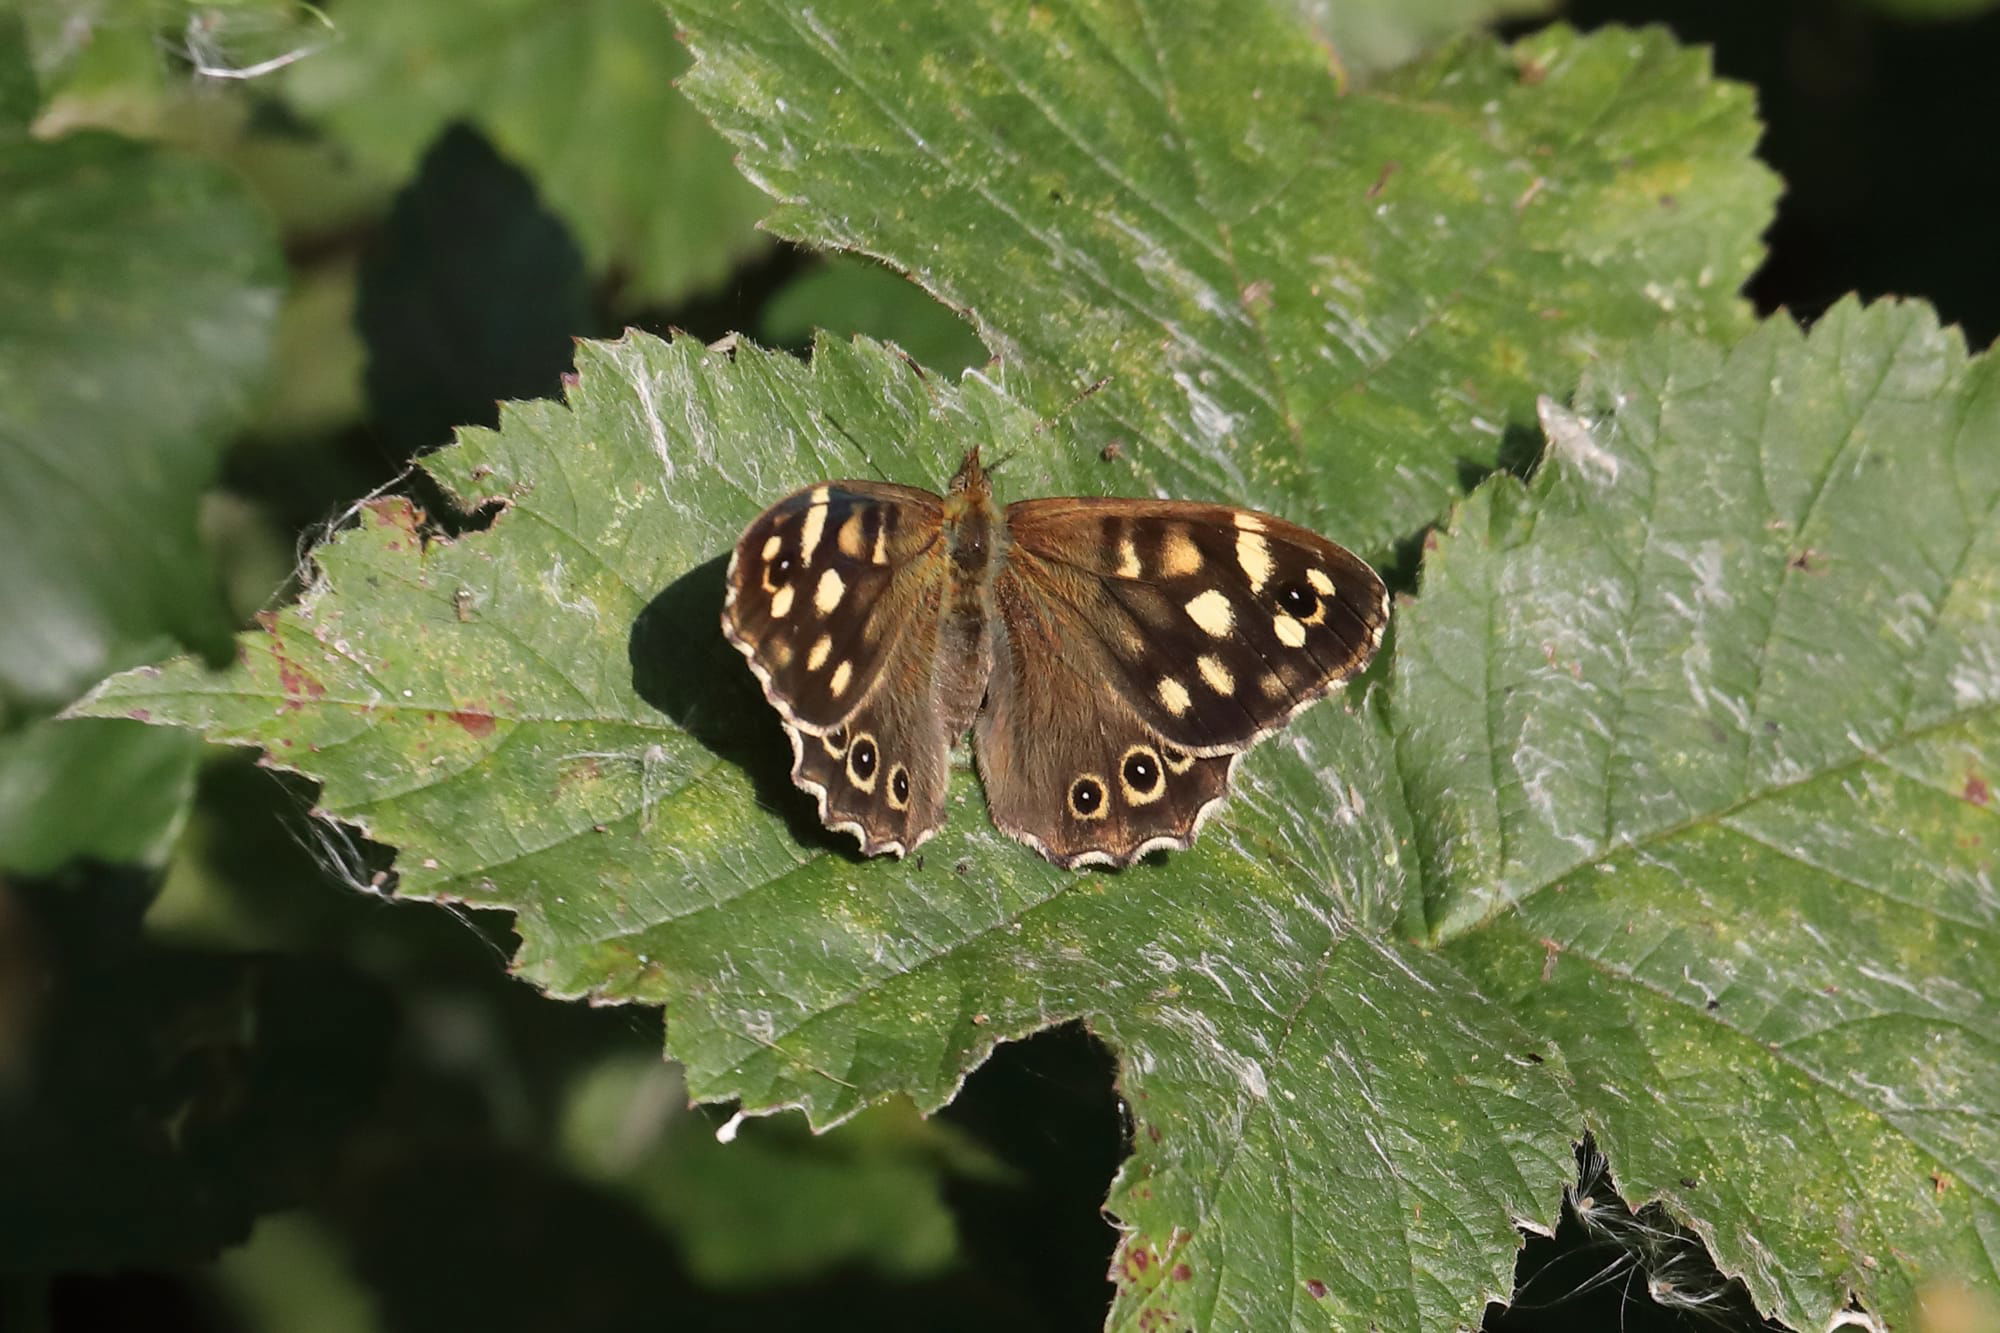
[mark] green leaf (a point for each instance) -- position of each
(1332, 304)
(1702, 731)
(113, 790)
(544, 717)
(127, 275)
(1672, 725)
(137, 295)
(580, 95)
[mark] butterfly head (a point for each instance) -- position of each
(970, 480)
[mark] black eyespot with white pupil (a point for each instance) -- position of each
(1298, 600)
(899, 785)
(861, 760)
(1141, 773)
(781, 569)
(1086, 796)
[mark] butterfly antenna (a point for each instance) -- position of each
(1072, 404)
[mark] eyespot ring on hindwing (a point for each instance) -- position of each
(898, 794)
(835, 742)
(864, 762)
(1178, 761)
(1087, 798)
(1141, 775)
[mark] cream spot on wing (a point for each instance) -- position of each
(781, 602)
(1174, 695)
(815, 525)
(1247, 521)
(1131, 642)
(1253, 553)
(841, 675)
(771, 545)
(849, 539)
(1179, 556)
(1216, 674)
(1273, 685)
(881, 555)
(1211, 611)
(1289, 631)
(1128, 560)
(1320, 582)
(820, 649)
(831, 588)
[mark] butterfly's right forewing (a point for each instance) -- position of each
(835, 595)
(809, 592)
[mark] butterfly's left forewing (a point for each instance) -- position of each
(1217, 624)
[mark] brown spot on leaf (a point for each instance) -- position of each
(1182, 1272)
(1316, 1288)
(297, 683)
(474, 722)
(1389, 168)
(139, 714)
(393, 511)
(1138, 1257)
(1976, 790)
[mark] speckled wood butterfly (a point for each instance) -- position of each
(1114, 658)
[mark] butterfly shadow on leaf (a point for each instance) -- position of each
(683, 666)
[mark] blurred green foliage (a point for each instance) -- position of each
(241, 1086)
